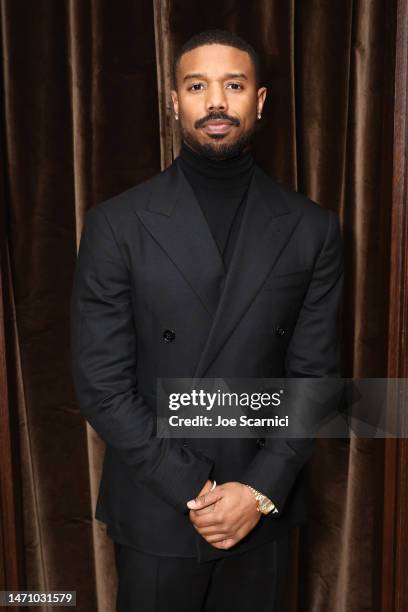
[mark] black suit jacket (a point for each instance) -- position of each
(147, 263)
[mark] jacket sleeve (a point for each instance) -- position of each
(104, 355)
(313, 352)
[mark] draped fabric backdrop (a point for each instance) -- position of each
(86, 114)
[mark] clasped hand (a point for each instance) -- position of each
(225, 515)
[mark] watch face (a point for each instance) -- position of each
(266, 506)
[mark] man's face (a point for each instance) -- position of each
(217, 100)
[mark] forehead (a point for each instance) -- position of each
(215, 60)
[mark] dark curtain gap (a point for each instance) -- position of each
(86, 115)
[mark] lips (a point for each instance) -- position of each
(217, 126)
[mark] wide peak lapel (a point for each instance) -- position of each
(175, 219)
(266, 226)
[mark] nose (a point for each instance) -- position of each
(216, 99)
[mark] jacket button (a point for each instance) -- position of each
(185, 443)
(279, 330)
(169, 335)
(260, 443)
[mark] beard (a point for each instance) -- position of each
(220, 150)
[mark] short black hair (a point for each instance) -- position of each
(217, 37)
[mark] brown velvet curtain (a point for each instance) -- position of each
(86, 114)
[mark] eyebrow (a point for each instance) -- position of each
(228, 75)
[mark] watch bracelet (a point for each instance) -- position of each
(258, 496)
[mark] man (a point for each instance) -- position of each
(209, 269)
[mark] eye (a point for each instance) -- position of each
(196, 87)
(235, 86)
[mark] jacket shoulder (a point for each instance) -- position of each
(315, 217)
(297, 200)
(119, 206)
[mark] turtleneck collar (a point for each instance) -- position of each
(233, 173)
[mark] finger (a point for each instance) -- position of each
(224, 544)
(212, 531)
(205, 510)
(216, 538)
(207, 520)
(205, 500)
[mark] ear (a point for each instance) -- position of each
(261, 95)
(174, 98)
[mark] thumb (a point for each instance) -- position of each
(204, 500)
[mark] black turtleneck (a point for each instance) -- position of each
(220, 187)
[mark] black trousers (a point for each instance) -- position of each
(256, 579)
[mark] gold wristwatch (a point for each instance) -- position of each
(263, 503)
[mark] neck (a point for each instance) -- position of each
(234, 172)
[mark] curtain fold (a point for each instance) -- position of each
(80, 123)
(87, 114)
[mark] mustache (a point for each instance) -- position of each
(217, 115)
